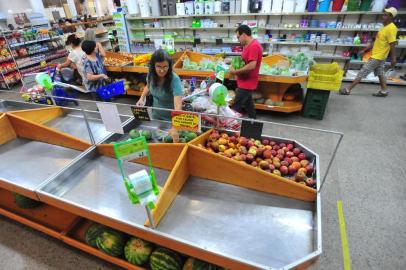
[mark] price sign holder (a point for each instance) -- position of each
(141, 186)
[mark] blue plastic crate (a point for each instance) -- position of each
(111, 90)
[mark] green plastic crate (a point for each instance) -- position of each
(315, 103)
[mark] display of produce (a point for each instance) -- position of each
(280, 158)
(205, 64)
(142, 60)
(165, 259)
(297, 65)
(111, 61)
(25, 202)
(111, 242)
(195, 264)
(93, 232)
(135, 133)
(137, 251)
(237, 62)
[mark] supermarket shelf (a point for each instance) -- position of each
(48, 50)
(341, 45)
(402, 83)
(331, 57)
(291, 43)
(324, 29)
(9, 71)
(180, 28)
(33, 41)
(46, 59)
(288, 107)
(263, 14)
(7, 60)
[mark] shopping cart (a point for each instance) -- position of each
(32, 92)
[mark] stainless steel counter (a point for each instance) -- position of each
(95, 183)
(237, 222)
(29, 163)
(7, 106)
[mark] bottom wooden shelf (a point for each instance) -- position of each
(76, 238)
(288, 107)
(44, 218)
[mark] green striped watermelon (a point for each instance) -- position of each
(195, 264)
(165, 259)
(111, 242)
(137, 251)
(93, 232)
(25, 202)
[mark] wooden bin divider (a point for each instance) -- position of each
(7, 132)
(41, 116)
(34, 131)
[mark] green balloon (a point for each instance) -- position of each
(44, 80)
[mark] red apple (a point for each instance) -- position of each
(281, 152)
(276, 147)
(302, 170)
(277, 165)
(309, 169)
(224, 135)
(243, 157)
(280, 156)
(300, 176)
(233, 139)
(276, 159)
(243, 150)
(289, 160)
(282, 145)
(284, 163)
(243, 141)
(272, 143)
(265, 142)
(296, 151)
(250, 144)
(290, 146)
(310, 182)
(295, 159)
(273, 152)
(289, 154)
(250, 158)
(267, 154)
(284, 169)
(260, 151)
(258, 160)
(272, 167)
(304, 163)
(301, 156)
(292, 169)
(254, 164)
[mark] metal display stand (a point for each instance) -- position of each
(235, 225)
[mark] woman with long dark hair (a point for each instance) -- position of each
(164, 85)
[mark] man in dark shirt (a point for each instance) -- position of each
(247, 76)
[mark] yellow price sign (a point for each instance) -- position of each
(186, 121)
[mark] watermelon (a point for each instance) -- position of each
(165, 259)
(195, 264)
(93, 232)
(168, 139)
(137, 251)
(134, 134)
(182, 140)
(147, 134)
(190, 136)
(111, 242)
(25, 202)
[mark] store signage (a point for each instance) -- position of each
(251, 129)
(141, 113)
(186, 121)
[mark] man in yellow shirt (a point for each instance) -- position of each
(385, 42)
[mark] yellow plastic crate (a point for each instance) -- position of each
(325, 77)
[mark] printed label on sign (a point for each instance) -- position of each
(186, 121)
(130, 149)
(142, 114)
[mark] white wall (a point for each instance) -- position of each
(15, 5)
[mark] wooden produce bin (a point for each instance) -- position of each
(196, 57)
(113, 61)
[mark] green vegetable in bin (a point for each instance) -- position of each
(237, 62)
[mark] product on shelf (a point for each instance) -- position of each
(25, 202)
(93, 232)
(163, 258)
(142, 60)
(111, 61)
(280, 158)
(138, 251)
(111, 242)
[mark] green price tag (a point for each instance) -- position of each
(220, 72)
(130, 150)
